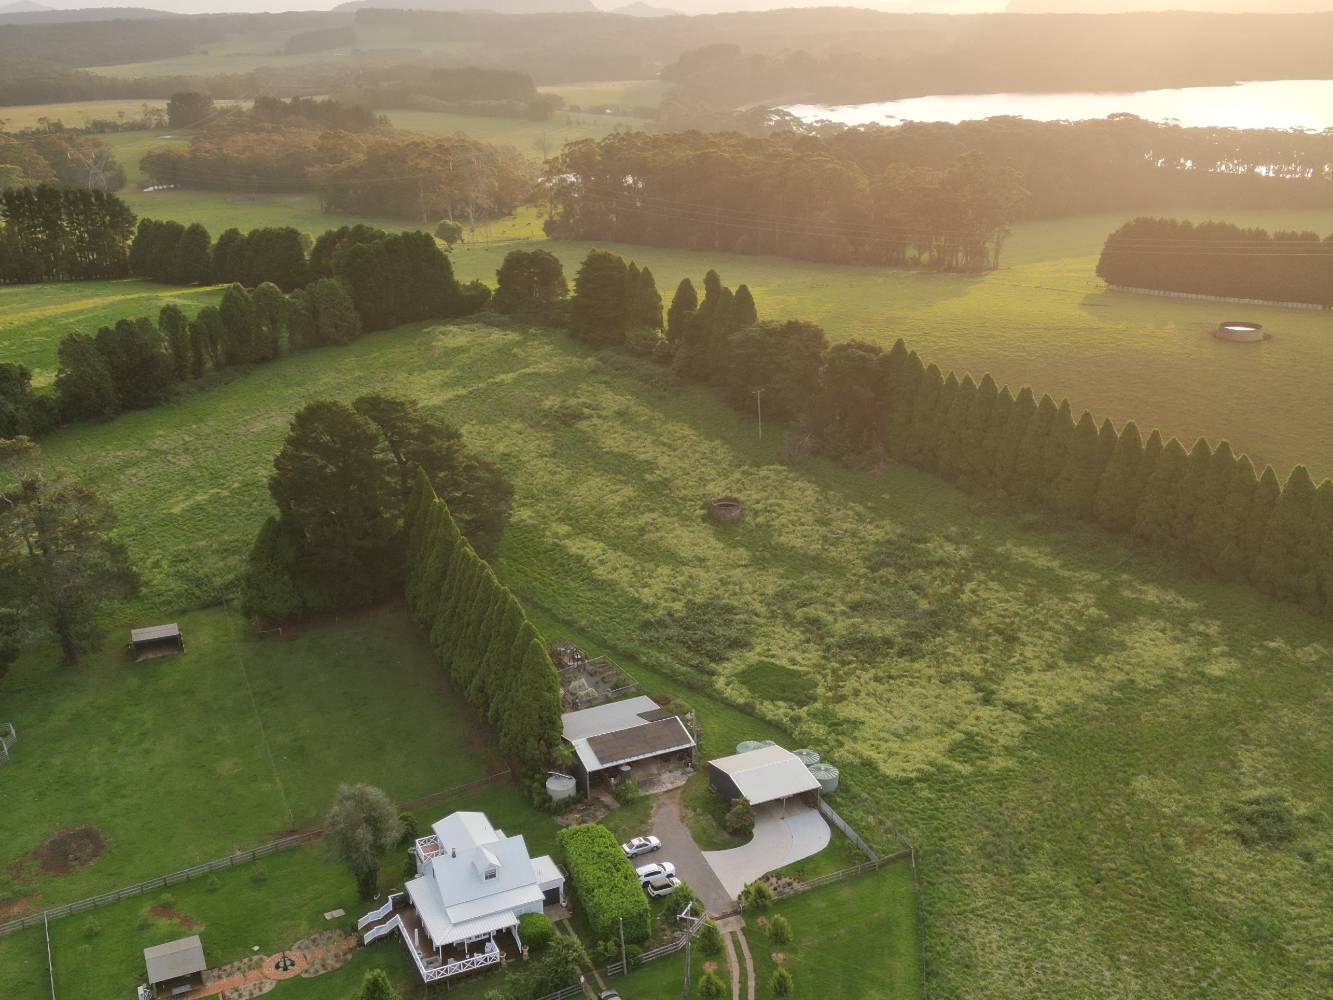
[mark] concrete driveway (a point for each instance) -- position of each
(679, 848)
(781, 836)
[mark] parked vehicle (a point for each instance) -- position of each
(657, 869)
(608, 995)
(641, 845)
(663, 885)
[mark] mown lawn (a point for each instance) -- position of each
(1062, 726)
(185, 759)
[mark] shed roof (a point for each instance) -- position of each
(767, 773)
(608, 718)
(174, 959)
(155, 632)
(645, 740)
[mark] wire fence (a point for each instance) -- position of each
(239, 858)
(1169, 294)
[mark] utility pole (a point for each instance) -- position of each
(624, 965)
(759, 404)
(685, 991)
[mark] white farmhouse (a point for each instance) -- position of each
(472, 883)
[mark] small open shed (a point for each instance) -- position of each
(768, 774)
(156, 640)
(175, 968)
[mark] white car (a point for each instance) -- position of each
(647, 873)
(663, 885)
(641, 845)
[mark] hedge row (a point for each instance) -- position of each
(606, 883)
(480, 635)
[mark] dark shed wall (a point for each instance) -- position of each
(720, 782)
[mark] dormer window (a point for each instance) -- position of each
(490, 874)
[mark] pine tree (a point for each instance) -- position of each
(1157, 504)
(906, 373)
(1254, 530)
(1190, 495)
(1230, 560)
(598, 312)
(1286, 562)
(647, 302)
(992, 436)
(974, 469)
(1076, 485)
(954, 457)
(176, 330)
(937, 435)
(83, 381)
(924, 406)
(1116, 503)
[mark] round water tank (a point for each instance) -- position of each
(1241, 331)
(806, 757)
(766, 743)
(560, 786)
(745, 746)
(827, 776)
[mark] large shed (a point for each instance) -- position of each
(623, 732)
(769, 774)
(175, 968)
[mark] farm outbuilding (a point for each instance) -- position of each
(768, 774)
(156, 640)
(175, 968)
(612, 736)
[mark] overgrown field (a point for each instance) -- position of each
(1079, 739)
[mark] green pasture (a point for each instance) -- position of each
(534, 139)
(617, 94)
(74, 114)
(185, 759)
(1063, 726)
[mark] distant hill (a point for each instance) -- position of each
(497, 6)
(640, 9)
(28, 12)
(1129, 6)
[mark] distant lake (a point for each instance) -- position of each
(1306, 104)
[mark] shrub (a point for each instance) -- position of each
(627, 791)
(710, 938)
(779, 930)
(1263, 818)
(756, 896)
(606, 882)
(711, 988)
(780, 983)
(739, 819)
(212, 885)
(410, 828)
(259, 876)
(91, 929)
(409, 868)
(536, 931)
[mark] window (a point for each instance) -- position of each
(490, 874)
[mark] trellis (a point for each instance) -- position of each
(7, 739)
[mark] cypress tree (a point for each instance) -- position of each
(509, 677)
(176, 330)
(485, 623)
(937, 433)
(924, 406)
(271, 339)
(974, 469)
(1190, 495)
(228, 253)
(1029, 465)
(241, 325)
(1001, 412)
(598, 312)
(458, 583)
(1208, 534)
(648, 303)
(1287, 560)
(336, 318)
(301, 331)
(684, 306)
(530, 727)
(1323, 512)
(208, 341)
(1116, 503)
(496, 665)
(743, 307)
(1254, 531)
(1021, 414)
(1157, 504)
(1076, 485)
(906, 373)
(1055, 455)
(193, 263)
(1230, 559)
(954, 453)
(1152, 453)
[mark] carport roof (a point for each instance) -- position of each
(175, 959)
(767, 774)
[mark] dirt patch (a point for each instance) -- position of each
(12, 909)
(475, 737)
(779, 958)
(164, 912)
(710, 967)
(69, 850)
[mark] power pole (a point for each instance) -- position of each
(685, 991)
(759, 404)
(624, 965)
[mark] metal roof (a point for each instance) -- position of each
(608, 718)
(767, 774)
(155, 632)
(174, 959)
(646, 740)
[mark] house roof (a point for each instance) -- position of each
(174, 959)
(454, 897)
(624, 731)
(154, 632)
(608, 718)
(766, 774)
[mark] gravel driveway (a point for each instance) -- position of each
(781, 837)
(679, 848)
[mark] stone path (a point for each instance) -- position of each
(732, 966)
(749, 964)
(255, 976)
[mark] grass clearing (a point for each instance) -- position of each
(221, 749)
(1060, 725)
(611, 93)
(75, 114)
(534, 139)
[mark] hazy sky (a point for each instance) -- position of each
(685, 6)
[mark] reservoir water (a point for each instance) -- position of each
(1284, 104)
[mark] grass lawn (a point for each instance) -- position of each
(705, 815)
(1061, 725)
(185, 759)
(849, 939)
(534, 139)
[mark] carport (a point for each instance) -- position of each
(769, 774)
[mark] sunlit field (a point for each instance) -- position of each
(1063, 727)
(534, 139)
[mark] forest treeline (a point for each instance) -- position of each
(372, 172)
(50, 233)
(1218, 258)
(788, 195)
(858, 403)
